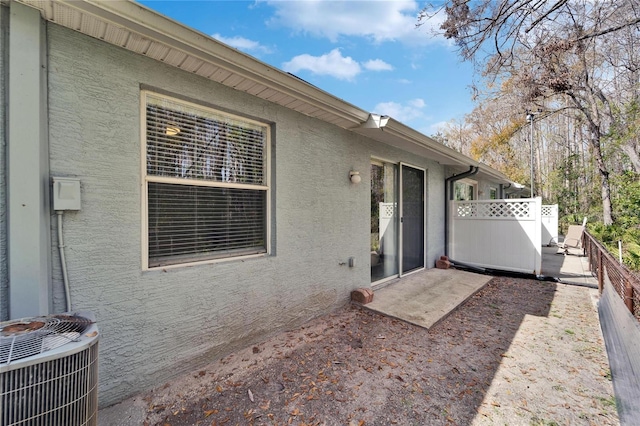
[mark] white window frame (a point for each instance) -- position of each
(493, 189)
(468, 183)
(145, 179)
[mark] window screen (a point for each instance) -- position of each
(206, 191)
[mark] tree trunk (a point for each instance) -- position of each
(632, 153)
(607, 210)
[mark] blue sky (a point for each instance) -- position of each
(368, 53)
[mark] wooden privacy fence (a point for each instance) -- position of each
(610, 272)
(619, 311)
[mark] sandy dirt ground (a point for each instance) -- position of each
(519, 352)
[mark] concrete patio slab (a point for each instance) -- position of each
(570, 269)
(426, 297)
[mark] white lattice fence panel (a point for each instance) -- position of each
(499, 234)
(386, 226)
(549, 215)
(466, 209)
(387, 210)
(495, 209)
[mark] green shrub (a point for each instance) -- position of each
(609, 237)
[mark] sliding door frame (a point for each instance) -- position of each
(401, 224)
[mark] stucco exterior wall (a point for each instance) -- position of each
(4, 290)
(484, 189)
(157, 324)
(483, 185)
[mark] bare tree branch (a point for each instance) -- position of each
(610, 30)
(541, 52)
(546, 14)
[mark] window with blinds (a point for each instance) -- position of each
(206, 183)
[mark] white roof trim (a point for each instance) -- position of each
(136, 28)
(139, 29)
(386, 129)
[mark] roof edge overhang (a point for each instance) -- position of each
(494, 175)
(392, 132)
(100, 19)
(387, 130)
(137, 19)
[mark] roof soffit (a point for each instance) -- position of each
(136, 28)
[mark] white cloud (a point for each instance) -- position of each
(404, 81)
(417, 103)
(378, 21)
(332, 63)
(242, 43)
(438, 127)
(377, 65)
(404, 113)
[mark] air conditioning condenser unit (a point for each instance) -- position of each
(49, 370)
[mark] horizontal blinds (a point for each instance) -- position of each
(191, 223)
(186, 141)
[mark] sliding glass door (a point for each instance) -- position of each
(397, 220)
(412, 210)
(384, 221)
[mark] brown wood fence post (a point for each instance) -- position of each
(600, 272)
(628, 295)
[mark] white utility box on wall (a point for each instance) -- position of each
(66, 193)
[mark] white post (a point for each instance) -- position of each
(620, 251)
(530, 118)
(28, 219)
(537, 265)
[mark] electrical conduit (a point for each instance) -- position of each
(63, 261)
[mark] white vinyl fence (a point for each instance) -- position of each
(388, 237)
(498, 234)
(549, 225)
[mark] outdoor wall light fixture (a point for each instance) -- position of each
(355, 177)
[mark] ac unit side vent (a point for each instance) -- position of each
(58, 386)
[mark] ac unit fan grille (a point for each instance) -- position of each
(27, 337)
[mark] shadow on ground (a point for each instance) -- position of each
(355, 367)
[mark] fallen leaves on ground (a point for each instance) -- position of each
(355, 367)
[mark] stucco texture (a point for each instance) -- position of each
(157, 324)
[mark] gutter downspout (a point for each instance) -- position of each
(502, 190)
(448, 193)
